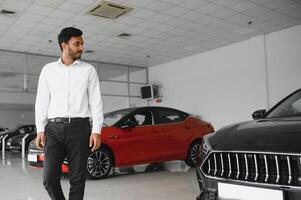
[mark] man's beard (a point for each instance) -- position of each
(74, 55)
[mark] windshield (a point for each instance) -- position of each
(112, 117)
(289, 107)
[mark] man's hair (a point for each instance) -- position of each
(66, 34)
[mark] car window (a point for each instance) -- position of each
(290, 107)
(113, 117)
(143, 118)
(22, 130)
(30, 129)
(167, 116)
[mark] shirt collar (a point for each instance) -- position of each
(76, 62)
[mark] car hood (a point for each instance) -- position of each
(268, 135)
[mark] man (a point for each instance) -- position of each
(68, 94)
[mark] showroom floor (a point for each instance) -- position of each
(168, 181)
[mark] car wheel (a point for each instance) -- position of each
(207, 196)
(99, 164)
(193, 153)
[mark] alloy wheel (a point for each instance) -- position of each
(194, 152)
(99, 164)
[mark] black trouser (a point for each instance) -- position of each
(71, 141)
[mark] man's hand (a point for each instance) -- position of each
(40, 140)
(95, 141)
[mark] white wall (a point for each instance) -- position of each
(284, 62)
(226, 85)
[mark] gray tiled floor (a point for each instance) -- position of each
(167, 181)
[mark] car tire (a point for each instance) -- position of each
(193, 151)
(207, 196)
(99, 164)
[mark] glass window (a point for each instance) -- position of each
(144, 118)
(135, 89)
(167, 116)
(113, 72)
(35, 63)
(12, 62)
(138, 75)
(113, 117)
(114, 88)
(12, 81)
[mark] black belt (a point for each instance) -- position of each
(68, 120)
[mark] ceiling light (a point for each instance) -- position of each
(89, 51)
(7, 12)
(124, 35)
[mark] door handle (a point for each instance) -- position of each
(155, 131)
(187, 127)
(113, 136)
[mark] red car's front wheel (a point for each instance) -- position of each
(99, 164)
(193, 152)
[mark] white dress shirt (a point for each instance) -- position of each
(68, 91)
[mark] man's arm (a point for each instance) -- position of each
(95, 104)
(41, 108)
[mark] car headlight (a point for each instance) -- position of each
(205, 147)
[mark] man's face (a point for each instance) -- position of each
(74, 47)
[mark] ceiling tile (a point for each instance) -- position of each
(143, 13)
(14, 5)
(25, 23)
(240, 7)
(159, 6)
(258, 10)
(160, 18)
(228, 3)
(209, 8)
(60, 14)
(193, 4)
(275, 4)
(4, 20)
(176, 11)
(73, 7)
(40, 10)
(32, 17)
(138, 3)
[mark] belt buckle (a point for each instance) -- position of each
(67, 120)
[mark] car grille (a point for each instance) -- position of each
(265, 168)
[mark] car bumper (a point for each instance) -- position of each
(37, 157)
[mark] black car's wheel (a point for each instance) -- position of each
(99, 164)
(207, 196)
(193, 152)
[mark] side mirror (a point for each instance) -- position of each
(258, 114)
(129, 124)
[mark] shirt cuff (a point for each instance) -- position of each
(96, 130)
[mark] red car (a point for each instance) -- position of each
(142, 135)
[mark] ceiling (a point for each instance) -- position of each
(162, 30)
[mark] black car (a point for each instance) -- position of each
(15, 143)
(265, 152)
(19, 130)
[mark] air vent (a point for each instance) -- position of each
(109, 10)
(7, 12)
